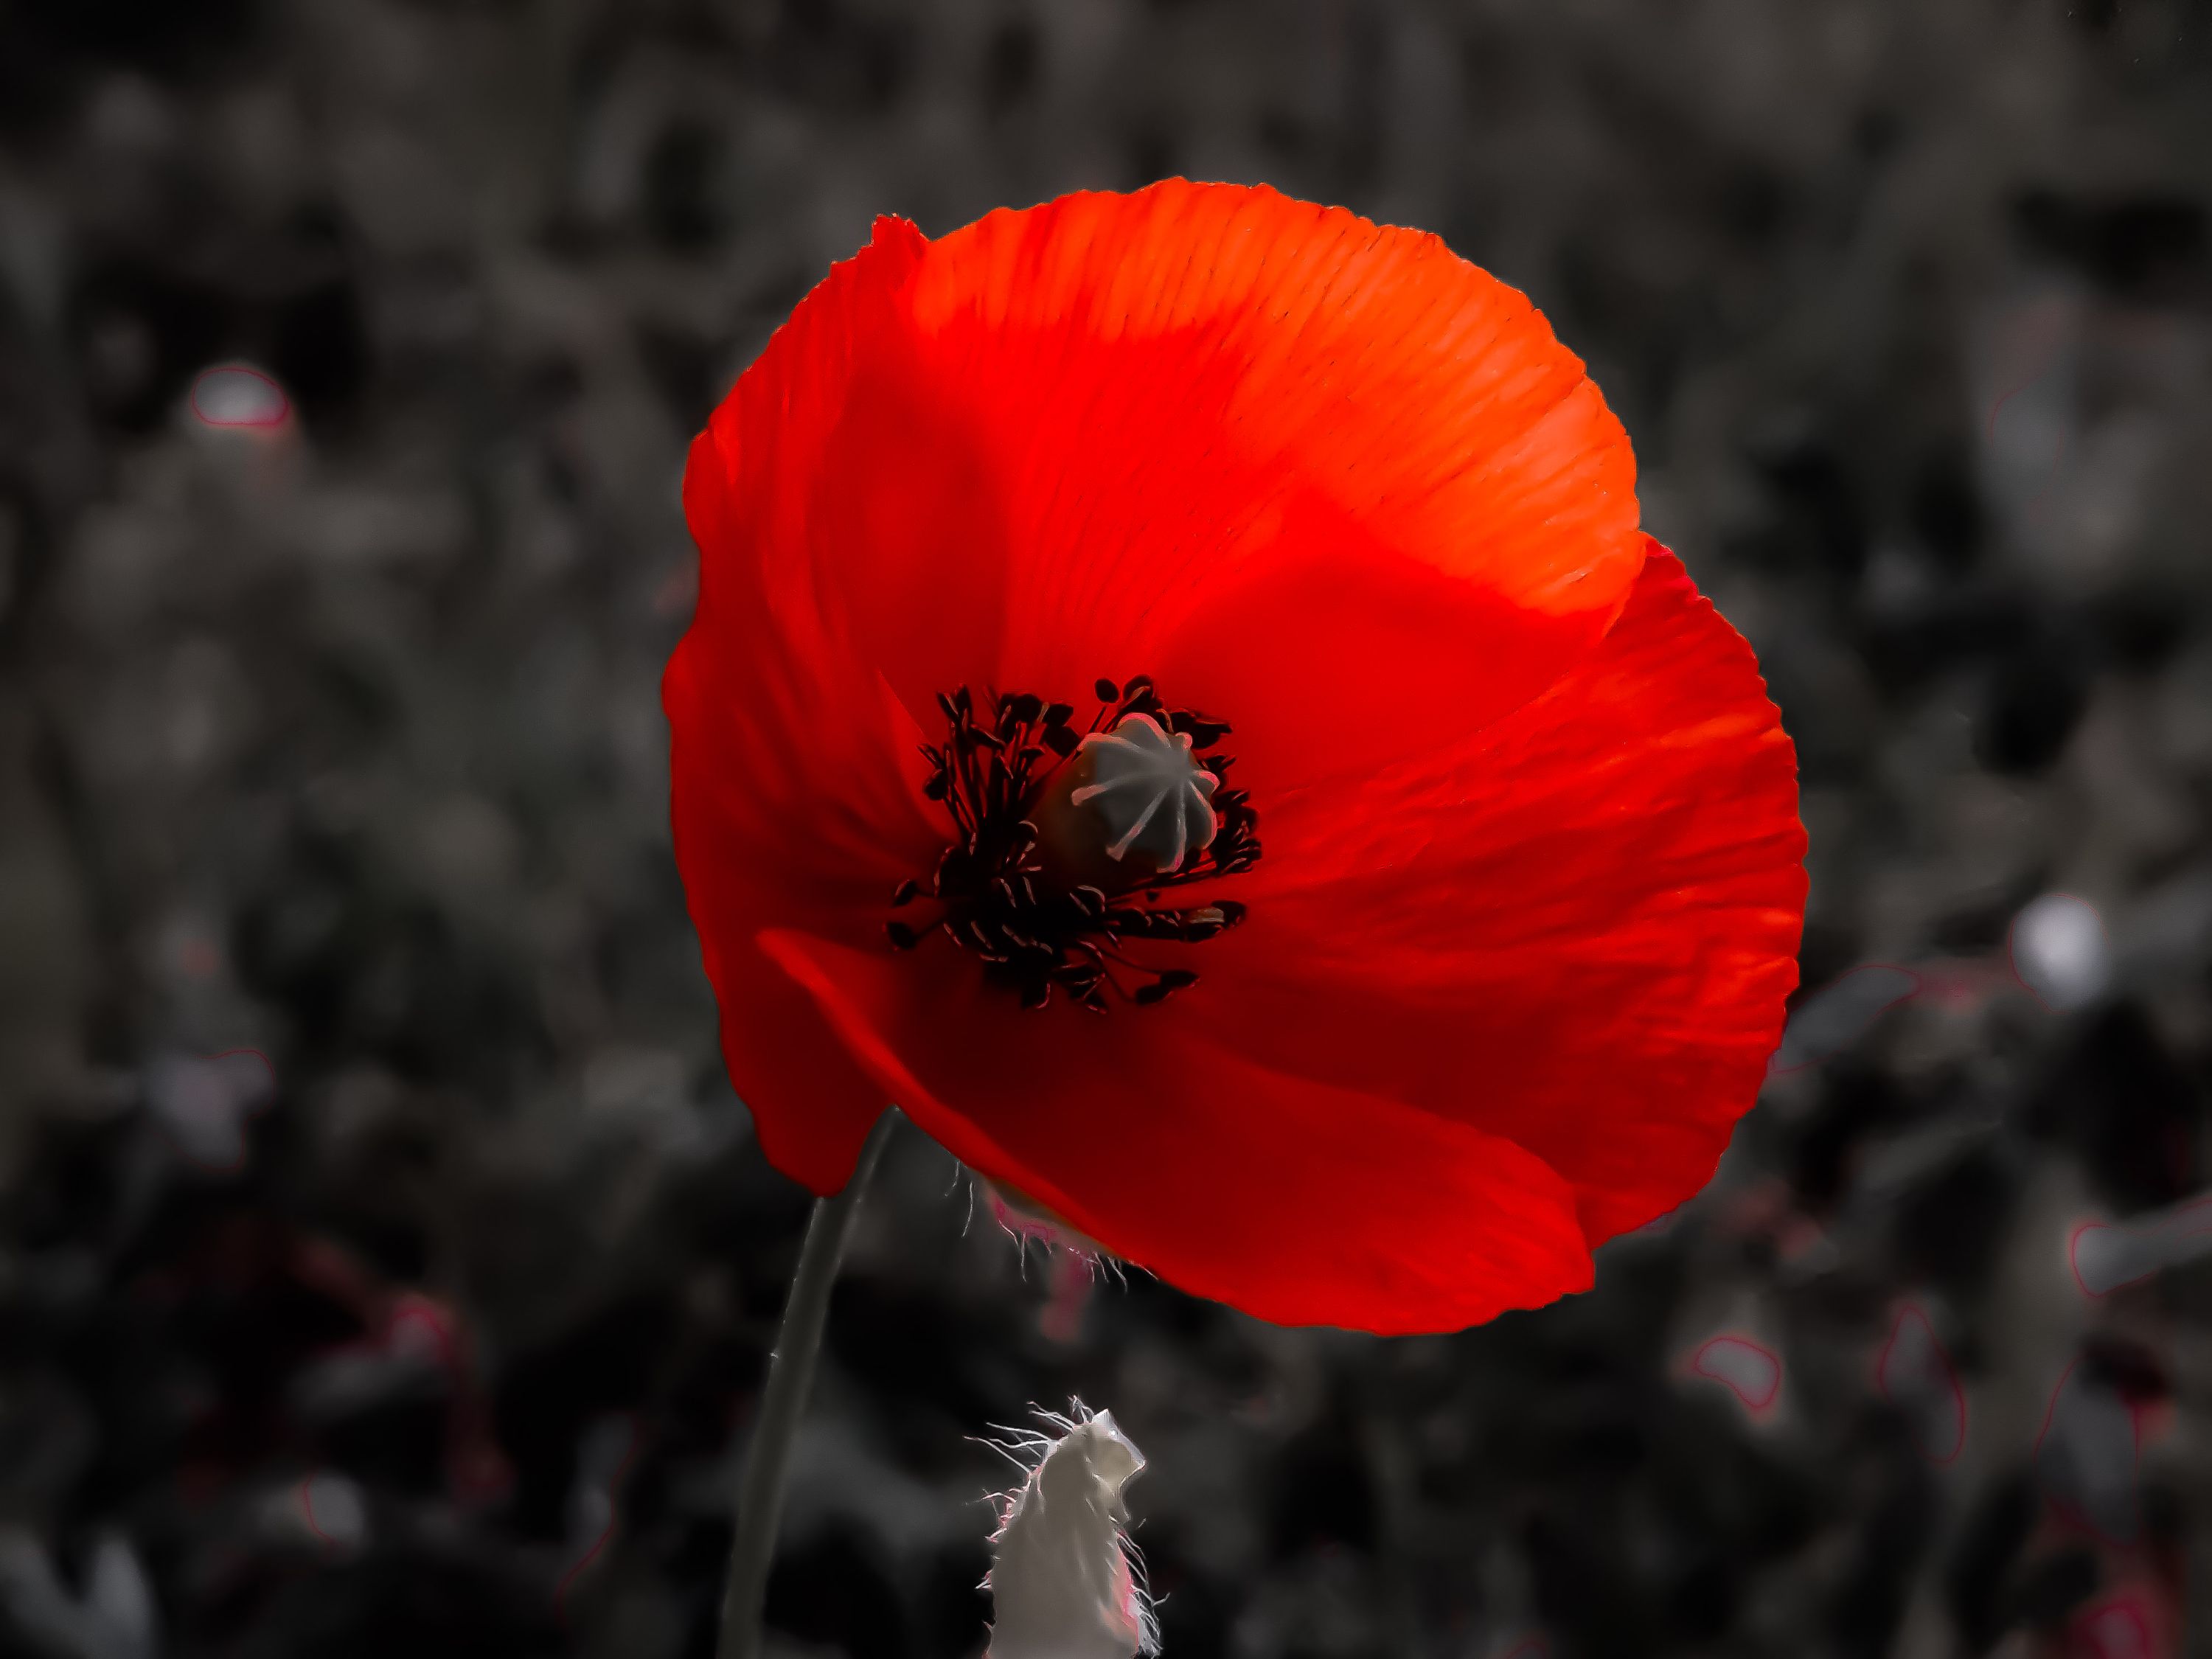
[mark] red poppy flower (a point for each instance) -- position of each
(1480, 949)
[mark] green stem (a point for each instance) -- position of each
(790, 1376)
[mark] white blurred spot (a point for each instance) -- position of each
(204, 1104)
(1751, 1373)
(237, 395)
(114, 1618)
(2107, 1255)
(118, 1599)
(331, 1508)
(2059, 950)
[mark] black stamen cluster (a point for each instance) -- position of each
(998, 900)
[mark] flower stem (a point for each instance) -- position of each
(790, 1374)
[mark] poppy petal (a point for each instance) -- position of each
(1576, 931)
(1323, 476)
(794, 788)
(771, 707)
(1296, 1201)
(811, 1105)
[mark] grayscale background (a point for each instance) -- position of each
(386, 1266)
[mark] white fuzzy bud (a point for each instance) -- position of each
(1063, 1584)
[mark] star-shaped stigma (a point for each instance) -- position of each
(1150, 789)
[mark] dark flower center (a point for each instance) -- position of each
(1068, 843)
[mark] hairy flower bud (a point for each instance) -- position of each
(1062, 1581)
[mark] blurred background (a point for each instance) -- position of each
(388, 1268)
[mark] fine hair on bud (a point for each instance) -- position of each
(1066, 1583)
